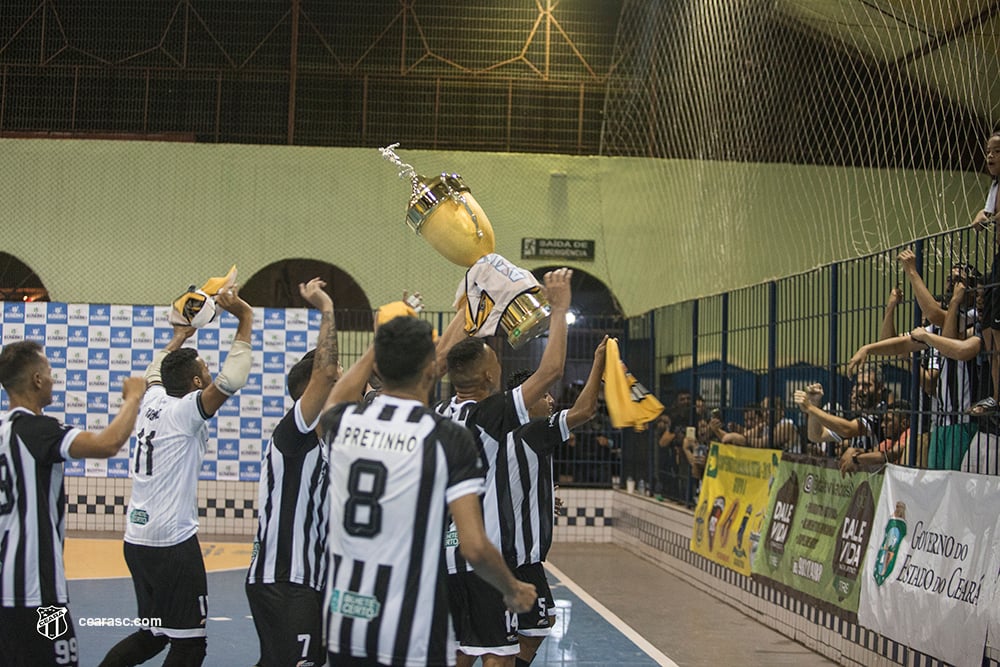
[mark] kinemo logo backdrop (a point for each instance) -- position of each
(93, 347)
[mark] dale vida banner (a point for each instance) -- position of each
(732, 504)
(932, 563)
(816, 532)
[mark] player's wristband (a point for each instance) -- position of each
(152, 374)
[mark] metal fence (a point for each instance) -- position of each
(740, 357)
(746, 352)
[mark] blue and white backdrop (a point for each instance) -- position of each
(92, 347)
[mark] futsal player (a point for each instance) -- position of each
(287, 573)
(36, 629)
(161, 540)
(485, 626)
(526, 500)
(396, 470)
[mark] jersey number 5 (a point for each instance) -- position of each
(366, 484)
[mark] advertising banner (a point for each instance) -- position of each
(93, 347)
(931, 567)
(816, 532)
(732, 504)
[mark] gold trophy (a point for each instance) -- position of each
(497, 296)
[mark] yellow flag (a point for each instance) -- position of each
(629, 403)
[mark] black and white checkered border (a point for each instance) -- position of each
(596, 517)
(96, 503)
(226, 508)
(99, 503)
(677, 546)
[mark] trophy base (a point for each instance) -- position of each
(526, 318)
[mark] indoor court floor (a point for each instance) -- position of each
(613, 608)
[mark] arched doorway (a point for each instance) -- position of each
(18, 282)
(592, 456)
(277, 286)
(591, 297)
(595, 312)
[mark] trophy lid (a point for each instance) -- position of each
(427, 193)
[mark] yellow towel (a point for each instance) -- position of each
(396, 309)
(188, 306)
(629, 403)
(393, 310)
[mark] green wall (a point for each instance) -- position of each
(136, 222)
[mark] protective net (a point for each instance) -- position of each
(807, 132)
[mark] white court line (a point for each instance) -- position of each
(611, 618)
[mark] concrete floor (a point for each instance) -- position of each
(689, 626)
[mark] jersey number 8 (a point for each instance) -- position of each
(366, 484)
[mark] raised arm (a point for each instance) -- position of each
(821, 425)
(550, 368)
(888, 328)
(106, 443)
(585, 406)
(950, 329)
(890, 347)
(236, 368)
(351, 385)
(845, 428)
(960, 349)
(454, 332)
(929, 306)
(181, 334)
(326, 364)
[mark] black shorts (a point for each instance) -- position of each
(483, 624)
(37, 637)
(535, 623)
(289, 622)
(170, 585)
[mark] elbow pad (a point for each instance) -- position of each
(152, 374)
(236, 368)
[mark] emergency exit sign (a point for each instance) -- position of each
(579, 249)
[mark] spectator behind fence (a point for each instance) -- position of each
(856, 437)
(990, 315)
(758, 432)
(733, 433)
(953, 369)
(696, 453)
(896, 432)
(680, 411)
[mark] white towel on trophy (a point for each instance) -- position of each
(490, 285)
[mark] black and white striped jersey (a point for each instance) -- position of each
(956, 382)
(394, 467)
(525, 489)
(171, 440)
(32, 502)
(292, 507)
(490, 421)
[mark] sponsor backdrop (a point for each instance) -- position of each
(732, 504)
(92, 347)
(816, 533)
(932, 563)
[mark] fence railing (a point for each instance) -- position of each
(746, 352)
